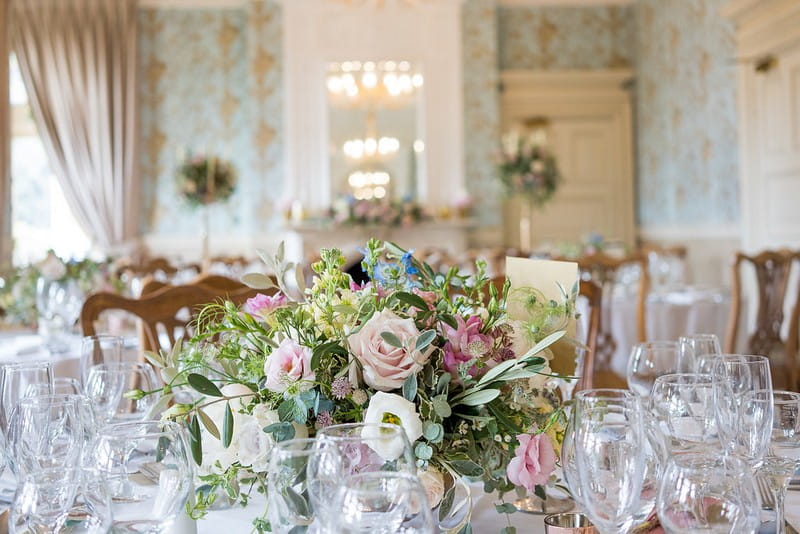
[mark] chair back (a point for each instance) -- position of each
(593, 293)
(773, 269)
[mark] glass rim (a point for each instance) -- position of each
(114, 366)
(377, 475)
(55, 399)
(605, 393)
(127, 429)
(672, 378)
(741, 358)
(783, 393)
(694, 460)
(325, 432)
(715, 337)
(32, 364)
(103, 337)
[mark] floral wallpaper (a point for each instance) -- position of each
(686, 113)
(481, 107)
(565, 37)
(210, 82)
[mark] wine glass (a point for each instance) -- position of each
(14, 384)
(57, 498)
(743, 403)
(648, 361)
(783, 458)
(60, 386)
(708, 493)
(148, 473)
(107, 384)
(99, 349)
(697, 353)
(371, 447)
(682, 406)
(46, 431)
(610, 455)
(383, 502)
(303, 478)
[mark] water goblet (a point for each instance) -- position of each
(697, 353)
(46, 431)
(107, 384)
(60, 386)
(383, 502)
(783, 458)
(682, 407)
(148, 473)
(611, 459)
(15, 381)
(648, 361)
(743, 405)
(303, 479)
(99, 349)
(708, 493)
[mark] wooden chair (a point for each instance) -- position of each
(604, 270)
(593, 293)
(221, 285)
(772, 273)
(162, 312)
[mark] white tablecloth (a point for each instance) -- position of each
(25, 346)
(669, 314)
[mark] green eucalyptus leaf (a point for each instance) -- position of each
(478, 398)
(208, 423)
(411, 299)
(423, 451)
(441, 406)
(467, 468)
(449, 320)
(227, 426)
(203, 385)
(280, 431)
(433, 432)
(505, 508)
(538, 490)
(443, 381)
(425, 339)
(543, 344)
(195, 443)
(495, 372)
(258, 281)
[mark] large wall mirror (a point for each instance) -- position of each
(376, 145)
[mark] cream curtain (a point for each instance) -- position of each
(5, 141)
(78, 61)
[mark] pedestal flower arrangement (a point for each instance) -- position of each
(435, 353)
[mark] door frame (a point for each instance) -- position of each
(577, 93)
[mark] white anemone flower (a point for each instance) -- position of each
(394, 409)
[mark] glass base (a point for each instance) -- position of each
(552, 505)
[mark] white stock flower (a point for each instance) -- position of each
(394, 409)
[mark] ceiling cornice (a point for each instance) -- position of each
(563, 3)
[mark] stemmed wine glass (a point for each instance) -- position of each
(107, 383)
(783, 458)
(708, 493)
(371, 447)
(648, 361)
(15, 381)
(697, 353)
(610, 454)
(303, 478)
(743, 404)
(682, 407)
(99, 349)
(383, 502)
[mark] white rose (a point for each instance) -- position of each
(253, 443)
(386, 367)
(433, 482)
(52, 268)
(391, 408)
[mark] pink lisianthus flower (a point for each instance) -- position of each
(534, 461)
(465, 343)
(368, 286)
(262, 306)
(289, 365)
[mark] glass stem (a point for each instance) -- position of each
(780, 521)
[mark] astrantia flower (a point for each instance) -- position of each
(324, 419)
(393, 409)
(465, 343)
(341, 388)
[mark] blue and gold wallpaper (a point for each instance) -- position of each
(686, 114)
(552, 38)
(209, 81)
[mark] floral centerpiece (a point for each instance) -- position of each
(205, 179)
(435, 353)
(351, 211)
(18, 286)
(527, 169)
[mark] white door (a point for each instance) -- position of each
(771, 181)
(589, 132)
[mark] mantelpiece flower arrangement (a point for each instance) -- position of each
(204, 180)
(435, 353)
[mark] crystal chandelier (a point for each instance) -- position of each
(373, 81)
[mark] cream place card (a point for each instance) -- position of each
(545, 276)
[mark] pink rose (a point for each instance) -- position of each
(465, 343)
(534, 461)
(386, 367)
(262, 306)
(288, 365)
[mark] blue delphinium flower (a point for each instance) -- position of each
(405, 260)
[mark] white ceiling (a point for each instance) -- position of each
(239, 3)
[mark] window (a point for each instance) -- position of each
(40, 216)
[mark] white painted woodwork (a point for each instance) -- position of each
(316, 32)
(589, 132)
(769, 119)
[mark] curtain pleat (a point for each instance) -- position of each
(5, 141)
(78, 62)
